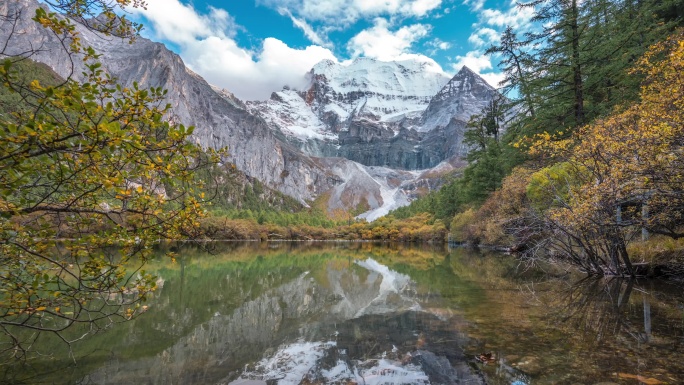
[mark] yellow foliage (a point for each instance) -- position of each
(636, 153)
(71, 222)
(621, 173)
(461, 226)
(496, 221)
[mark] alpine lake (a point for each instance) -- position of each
(364, 313)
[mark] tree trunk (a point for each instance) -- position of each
(576, 65)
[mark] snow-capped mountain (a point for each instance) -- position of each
(405, 115)
(381, 91)
(359, 133)
(466, 94)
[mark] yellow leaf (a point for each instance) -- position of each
(641, 379)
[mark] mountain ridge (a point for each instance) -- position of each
(258, 140)
(344, 113)
(219, 121)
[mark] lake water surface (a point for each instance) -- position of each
(345, 313)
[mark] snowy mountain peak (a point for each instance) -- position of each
(463, 82)
(415, 77)
(472, 77)
(463, 96)
(465, 70)
(365, 87)
(377, 113)
(324, 63)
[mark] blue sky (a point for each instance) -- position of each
(255, 47)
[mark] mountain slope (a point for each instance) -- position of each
(402, 115)
(219, 121)
(464, 95)
(369, 117)
(382, 91)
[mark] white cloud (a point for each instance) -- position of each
(344, 12)
(365, 8)
(491, 22)
(474, 5)
(206, 45)
(493, 78)
(374, 7)
(422, 7)
(475, 60)
(174, 21)
(309, 32)
(484, 37)
(518, 18)
(222, 63)
(437, 45)
(380, 43)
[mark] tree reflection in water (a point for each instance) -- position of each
(248, 303)
(558, 328)
(601, 308)
(628, 329)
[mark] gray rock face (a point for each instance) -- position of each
(466, 94)
(378, 113)
(220, 120)
(303, 144)
(406, 149)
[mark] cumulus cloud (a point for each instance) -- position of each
(443, 45)
(206, 44)
(437, 45)
(380, 43)
(475, 60)
(422, 7)
(180, 23)
(518, 18)
(253, 76)
(484, 37)
(493, 78)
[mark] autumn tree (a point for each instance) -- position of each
(571, 68)
(92, 175)
(622, 174)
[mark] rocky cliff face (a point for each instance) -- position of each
(220, 120)
(466, 94)
(384, 116)
(405, 115)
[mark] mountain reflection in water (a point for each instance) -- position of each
(378, 314)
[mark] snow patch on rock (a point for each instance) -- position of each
(288, 112)
(301, 362)
(393, 197)
(465, 95)
(290, 364)
(395, 291)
